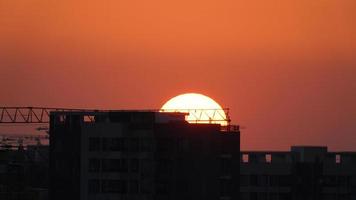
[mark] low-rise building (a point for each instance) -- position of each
(303, 173)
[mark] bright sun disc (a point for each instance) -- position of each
(201, 109)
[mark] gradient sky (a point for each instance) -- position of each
(286, 69)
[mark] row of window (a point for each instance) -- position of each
(113, 165)
(264, 180)
(163, 165)
(337, 181)
(245, 158)
(265, 196)
(118, 144)
(100, 186)
(96, 186)
(287, 196)
(288, 180)
(97, 144)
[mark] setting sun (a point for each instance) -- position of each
(201, 109)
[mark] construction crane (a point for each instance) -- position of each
(39, 115)
(26, 115)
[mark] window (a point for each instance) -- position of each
(165, 145)
(183, 145)
(182, 186)
(280, 180)
(268, 158)
(133, 187)
(114, 144)
(337, 158)
(146, 187)
(244, 195)
(164, 166)
(330, 181)
(274, 180)
(146, 145)
(245, 158)
(93, 186)
(226, 165)
(114, 186)
(262, 180)
(114, 165)
(285, 196)
(253, 180)
(225, 187)
(285, 180)
(62, 118)
(89, 118)
(162, 187)
(244, 180)
(253, 195)
(134, 165)
(94, 144)
(94, 165)
(134, 145)
(343, 180)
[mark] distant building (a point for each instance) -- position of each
(24, 173)
(135, 155)
(304, 173)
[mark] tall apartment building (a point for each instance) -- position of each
(141, 155)
(304, 173)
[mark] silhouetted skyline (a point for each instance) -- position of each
(286, 69)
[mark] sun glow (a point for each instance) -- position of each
(201, 109)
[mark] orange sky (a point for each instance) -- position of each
(286, 69)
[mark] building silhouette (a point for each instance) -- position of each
(153, 155)
(304, 173)
(141, 155)
(24, 173)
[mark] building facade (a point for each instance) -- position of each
(141, 155)
(24, 173)
(304, 173)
